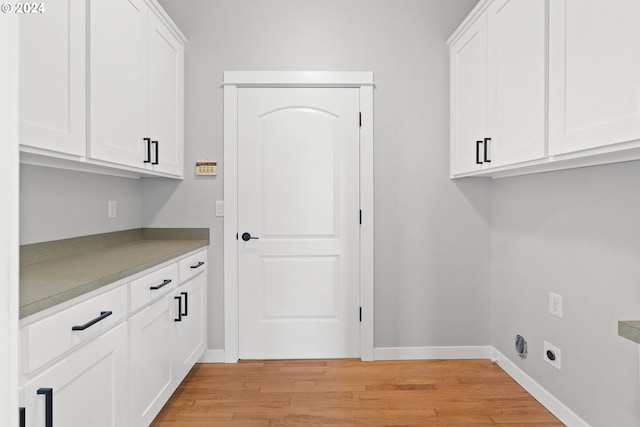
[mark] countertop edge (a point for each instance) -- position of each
(629, 329)
(53, 300)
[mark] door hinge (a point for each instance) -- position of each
(236, 236)
(361, 314)
(360, 115)
(360, 216)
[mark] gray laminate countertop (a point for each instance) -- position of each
(55, 272)
(629, 329)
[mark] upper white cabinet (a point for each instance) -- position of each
(117, 65)
(561, 90)
(165, 97)
(53, 78)
(498, 86)
(594, 74)
(469, 98)
(516, 31)
(102, 88)
(137, 87)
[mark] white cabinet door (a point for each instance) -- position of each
(137, 88)
(52, 78)
(87, 389)
(516, 80)
(150, 360)
(117, 75)
(189, 340)
(594, 88)
(165, 97)
(469, 98)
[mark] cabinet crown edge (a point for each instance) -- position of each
(162, 14)
(475, 13)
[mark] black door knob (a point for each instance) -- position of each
(246, 237)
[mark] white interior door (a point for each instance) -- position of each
(298, 198)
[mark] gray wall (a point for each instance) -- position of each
(432, 235)
(575, 233)
(58, 204)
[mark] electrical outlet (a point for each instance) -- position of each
(552, 355)
(112, 210)
(555, 304)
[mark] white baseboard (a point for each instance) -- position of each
(212, 356)
(430, 353)
(396, 353)
(557, 408)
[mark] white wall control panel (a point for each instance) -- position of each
(555, 304)
(219, 207)
(206, 167)
(112, 209)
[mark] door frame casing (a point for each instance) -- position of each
(9, 218)
(233, 80)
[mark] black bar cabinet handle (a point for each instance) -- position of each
(486, 150)
(200, 264)
(48, 405)
(148, 154)
(23, 417)
(179, 298)
(478, 161)
(103, 315)
(155, 162)
(161, 285)
(186, 303)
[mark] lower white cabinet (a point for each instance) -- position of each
(151, 364)
(88, 388)
(55, 335)
(165, 340)
(119, 368)
(189, 326)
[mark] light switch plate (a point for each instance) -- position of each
(555, 304)
(112, 209)
(219, 207)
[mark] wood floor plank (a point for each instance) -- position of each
(302, 393)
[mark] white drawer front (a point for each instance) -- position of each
(152, 286)
(193, 265)
(50, 337)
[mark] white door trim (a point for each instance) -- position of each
(9, 270)
(232, 81)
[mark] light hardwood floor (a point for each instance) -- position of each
(452, 393)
